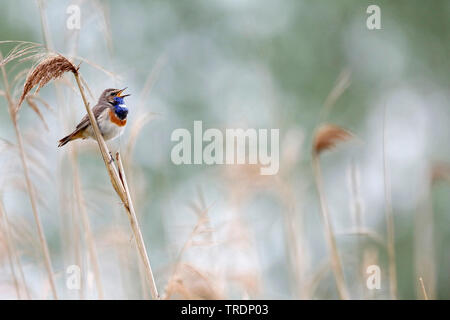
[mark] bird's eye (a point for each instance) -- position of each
(111, 94)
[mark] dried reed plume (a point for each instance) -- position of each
(54, 67)
(13, 108)
(326, 138)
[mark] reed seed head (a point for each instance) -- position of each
(440, 171)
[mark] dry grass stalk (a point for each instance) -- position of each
(136, 128)
(77, 187)
(424, 234)
(357, 211)
(86, 225)
(342, 83)
(98, 67)
(105, 27)
(111, 168)
(77, 183)
(30, 190)
(356, 201)
(76, 239)
(422, 286)
(326, 138)
(389, 218)
(23, 48)
(179, 283)
(33, 105)
(44, 25)
(10, 246)
(22, 232)
(44, 103)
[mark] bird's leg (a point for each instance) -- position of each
(111, 158)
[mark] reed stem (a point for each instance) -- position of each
(119, 183)
(9, 251)
(422, 286)
(389, 219)
(137, 232)
(336, 265)
(86, 226)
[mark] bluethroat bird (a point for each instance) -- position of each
(110, 113)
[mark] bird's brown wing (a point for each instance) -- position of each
(97, 110)
(84, 123)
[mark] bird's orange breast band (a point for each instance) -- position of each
(115, 119)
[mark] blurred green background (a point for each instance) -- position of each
(241, 64)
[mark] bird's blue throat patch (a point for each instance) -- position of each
(120, 108)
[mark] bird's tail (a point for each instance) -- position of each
(77, 134)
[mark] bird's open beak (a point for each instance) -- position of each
(119, 94)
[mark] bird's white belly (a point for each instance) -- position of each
(108, 129)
